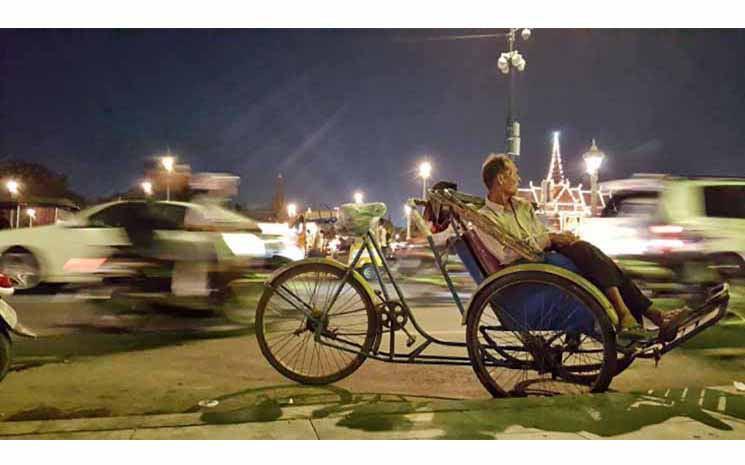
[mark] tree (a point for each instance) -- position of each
(37, 180)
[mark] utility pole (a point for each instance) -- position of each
(510, 63)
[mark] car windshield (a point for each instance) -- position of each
(725, 201)
(639, 205)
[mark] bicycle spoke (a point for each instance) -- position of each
(293, 320)
(531, 353)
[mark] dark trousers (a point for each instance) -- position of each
(603, 272)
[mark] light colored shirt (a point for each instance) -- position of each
(520, 220)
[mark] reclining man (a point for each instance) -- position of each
(516, 215)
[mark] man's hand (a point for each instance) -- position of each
(563, 239)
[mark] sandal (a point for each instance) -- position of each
(670, 322)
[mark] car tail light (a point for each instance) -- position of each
(666, 229)
(668, 238)
(5, 281)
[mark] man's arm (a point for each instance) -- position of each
(562, 239)
(547, 238)
(542, 234)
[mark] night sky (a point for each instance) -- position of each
(340, 110)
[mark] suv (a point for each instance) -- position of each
(674, 221)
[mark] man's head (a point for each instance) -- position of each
(499, 173)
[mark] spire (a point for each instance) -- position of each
(278, 203)
(555, 173)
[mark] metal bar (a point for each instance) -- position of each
(293, 296)
(405, 305)
(402, 358)
(445, 275)
(697, 329)
(419, 349)
(349, 271)
(369, 237)
(370, 250)
(304, 312)
(388, 272)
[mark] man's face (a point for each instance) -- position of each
(508, 180)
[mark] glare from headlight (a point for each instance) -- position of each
(293, 253)
(244, 244)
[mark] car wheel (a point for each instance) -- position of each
(728, 265)
(22, 267)
(368, 272)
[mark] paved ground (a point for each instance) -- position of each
(95, 361)
(334, 413)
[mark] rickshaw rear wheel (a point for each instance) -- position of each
(286, 334)
(518, 361)
(5, 352)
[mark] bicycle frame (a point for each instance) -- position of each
(416, 355)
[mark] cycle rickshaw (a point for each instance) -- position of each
(532, 328)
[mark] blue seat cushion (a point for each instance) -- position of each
(544, 307)
(535, 306)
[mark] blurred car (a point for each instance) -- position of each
(416, 257)
(71, 251)
(674, 221)
(410, 258)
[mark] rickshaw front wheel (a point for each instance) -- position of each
(290, 315)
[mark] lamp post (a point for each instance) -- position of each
(14, 189)
(147, 188)
(510, 62)
(425, 171)
(358, 197)
(407, 212)
(31, 216)
(167, 163)
(291, 210)
(593, 159)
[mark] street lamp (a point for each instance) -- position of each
(407, 211)
(31, 216)
(425, 170)
(593, 159)
(167, 163)
(14, 188)
(507, 62)
(147, 188)
(358, 197)
(291, 210)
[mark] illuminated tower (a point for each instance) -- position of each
(555, 173)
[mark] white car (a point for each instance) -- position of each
(72, 250)
(666, 216)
